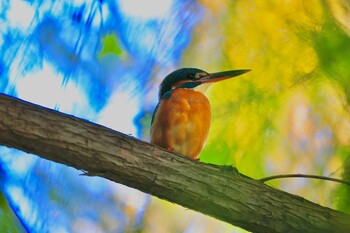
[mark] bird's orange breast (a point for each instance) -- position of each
(181, 122)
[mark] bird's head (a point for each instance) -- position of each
(192, 78)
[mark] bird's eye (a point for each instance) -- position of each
(190, 76)
(200, 75)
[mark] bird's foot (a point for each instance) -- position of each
(171, 149)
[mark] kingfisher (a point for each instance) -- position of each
(181, 120)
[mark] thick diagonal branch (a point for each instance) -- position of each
(217, 191)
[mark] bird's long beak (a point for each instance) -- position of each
(215, 77)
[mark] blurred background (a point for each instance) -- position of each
(103, 61)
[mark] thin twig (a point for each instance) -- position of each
(304, 176)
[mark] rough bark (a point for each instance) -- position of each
(218, 191)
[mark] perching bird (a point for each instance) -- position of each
(181, 120)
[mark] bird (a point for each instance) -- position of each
(181, 119)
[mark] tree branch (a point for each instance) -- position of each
(218, 191)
